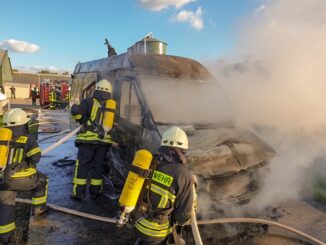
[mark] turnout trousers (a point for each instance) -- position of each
(37, 183)
(90, 159)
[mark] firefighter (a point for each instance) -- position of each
(67, 99)
(58, 98)
(169, 196)
(20, 173)
(34, 96)
(52, 98)
(92, 142)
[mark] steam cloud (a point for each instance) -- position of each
(279, 87)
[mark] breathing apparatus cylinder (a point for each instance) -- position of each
(134, 184)
(108, 116)
(5, 136)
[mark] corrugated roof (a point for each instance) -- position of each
(149, 64)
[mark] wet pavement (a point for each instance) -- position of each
(60, 228)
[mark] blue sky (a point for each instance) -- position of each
(43, 34)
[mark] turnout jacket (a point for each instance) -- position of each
(170, 196)
(26, 155)
(90, 113)
(52, 96)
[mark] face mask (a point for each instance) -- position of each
(101, 95)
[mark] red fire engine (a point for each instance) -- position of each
(60, 86)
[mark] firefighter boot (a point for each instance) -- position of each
(95, 191)
(79, 192)
(40, 210)
(39, 213)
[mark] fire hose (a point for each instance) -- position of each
(48, 122)
(193, 222)
(72, 212)
(54, 135)
(61, 141)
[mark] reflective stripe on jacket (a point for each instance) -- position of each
(26, 155)
(154, 229)
(52, 96)
(7, 228)
(90, 114)
(170, 197)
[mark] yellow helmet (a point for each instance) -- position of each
(175, 137)
(104, 85)
(15, 117)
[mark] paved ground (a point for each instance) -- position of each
(59, 228)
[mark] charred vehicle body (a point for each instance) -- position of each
(154, 91)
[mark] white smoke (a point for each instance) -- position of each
(279, 87)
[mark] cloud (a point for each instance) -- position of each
(158, 5)
(193, 18)
(41, 67)
(37, 68)
(19, 46)
(260, 8)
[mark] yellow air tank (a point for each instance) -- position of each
(108, 117)
(134, 184)
(5, 135)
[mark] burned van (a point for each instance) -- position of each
(154, 91)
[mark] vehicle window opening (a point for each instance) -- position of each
(130, 108)
(88, 92)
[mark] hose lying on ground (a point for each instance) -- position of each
(54, 135)
(61, 141)
(260, 221)
(200, 222)
(45, 106)
(73, 212)
(194, 225)
(49, 122)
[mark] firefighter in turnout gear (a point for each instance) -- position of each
(52, 98)
(169, 195)
(18, 171)
(93, 140)
(67, 99)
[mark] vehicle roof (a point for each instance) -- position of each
(149, 64)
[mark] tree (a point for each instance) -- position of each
(47, 72)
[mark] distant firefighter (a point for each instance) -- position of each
(52, 98)
(58, 98)
(67, 99)
(13, 92)
(34, 96)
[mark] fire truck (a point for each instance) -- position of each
(60, 86)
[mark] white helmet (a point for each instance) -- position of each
(104, 85)
(15, 117)
(175, 137)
